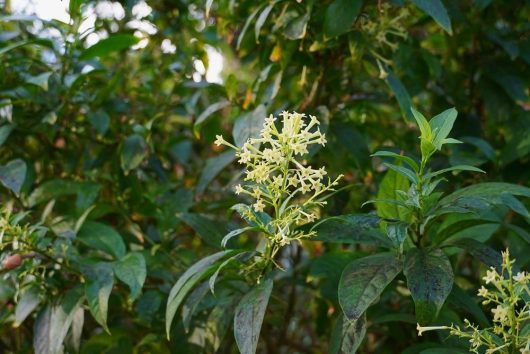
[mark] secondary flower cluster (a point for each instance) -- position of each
(510, 312)
(276, 176)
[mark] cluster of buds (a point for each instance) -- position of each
(277, 177)
(506, 293)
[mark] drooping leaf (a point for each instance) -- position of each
(340, 16)
(296, 29)
(429, 279)
(211, 109)
(213, 166)
(401, 93)
(13, 174)
(185, 283)
(262, 18)
(29, 300)
(98, 286)
(131, 270)
(515, 205)
(436, 9)
(484, 253)
(53, 323)
(249, 126)
(103, 238)
(363, 281)
(113, 43)
(347, 335)
(133, 152)
(491, 191)
(249, 316)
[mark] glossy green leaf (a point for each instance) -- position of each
(363, 281)
(102, 237)
(98, 286)
(436, 9)
(28, 301)
(53, 322)
(249, 126)
(131, 270)
(340, 16)
(13, 174)
(187, 281)
(213, 166)
(211, 231)
(401, 93)
(391, 183)
(133, 152)
(430, 279)
(113, 43)
(347, 335)
(296, 29)
(249, 316)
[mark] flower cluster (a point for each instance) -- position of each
(277, 177)
(510, 312)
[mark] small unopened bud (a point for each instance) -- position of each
(12, 262)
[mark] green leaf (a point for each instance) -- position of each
(211, 231)
(40, 80)
(5, 131)
(213, 166)
(211, 109)
(404, 171)
(436, 9)
(515, 205)
(13, 174)
(401, 94)
(86, 192)
(187, 281)
(262, 18)
(296, 29)
(398, 157)
(249, 316)
(133, 152)
(340, 16)
(350, 229)
(98, 286)
(492, 191)
(482, 252)
(52, 324)
(391, 183)
(103, 238)
(235, 233)
(458, 226)
(453, 168)
(249, 126)
(99, 120)
(247, 24)
(113, 43)
(461, 299)
(429, 279)
(363, 281)
(347, 335)
(238, 257)
(28, 301)
(441, 126)
(44, 42)
(131, 270)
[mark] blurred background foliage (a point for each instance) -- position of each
(107, 121)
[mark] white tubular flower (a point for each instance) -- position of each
(278, 179)
(500, 313)
(219, 140)
(520, 277)
(491, 275)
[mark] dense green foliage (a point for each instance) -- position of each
(118, 219)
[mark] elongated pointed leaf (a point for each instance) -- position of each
(429, 279)
(391, 183)
(436, 9)
(102, 237)
(249, 316)
(347, 335)
(53, 323)
(363, 281)
(100, 280)
(114, 43)
(13, 174)
(185, 283)
(131, 270)
(340, 16)
(29, 300)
